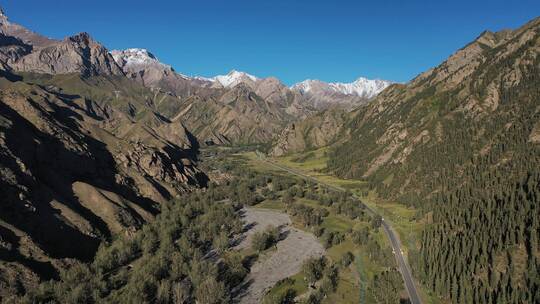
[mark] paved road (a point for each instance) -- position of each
(392, 235)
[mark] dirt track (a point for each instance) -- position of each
(285, 261)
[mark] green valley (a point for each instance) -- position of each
(125, 178)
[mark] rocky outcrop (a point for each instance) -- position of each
(69, 175)
(22, 50)
(237, 116)
(314, 132)
(143, 67)
(12, 49)
(175, 171)
(27, 36)
(77, 54)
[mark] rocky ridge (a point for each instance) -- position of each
(487, 86)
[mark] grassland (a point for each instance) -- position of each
(402, 218)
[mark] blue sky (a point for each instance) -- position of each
(293, 40)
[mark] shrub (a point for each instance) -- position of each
(347, 259)
(264, 240)
(313, 269)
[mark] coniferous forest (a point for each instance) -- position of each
(475, 176)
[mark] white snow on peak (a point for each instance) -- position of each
(135, 56)
(232, 79)
(135, 59)
(362, 87)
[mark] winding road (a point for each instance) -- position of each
(390, 232)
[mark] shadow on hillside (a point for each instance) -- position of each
(54, 168)
(241, 290)
(45, 269)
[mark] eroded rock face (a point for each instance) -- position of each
(143, 67)
(76, 54)
(236, 115)
(25, 51)
(159, 165)
(69, 176)
(314, 132)
(12, 49)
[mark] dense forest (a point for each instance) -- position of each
(170, 260)
(473, 171)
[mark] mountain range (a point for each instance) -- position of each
(142, 63)
(94, 141)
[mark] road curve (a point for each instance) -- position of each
(390, 232)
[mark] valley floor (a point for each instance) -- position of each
(312, 165)
(285, 260)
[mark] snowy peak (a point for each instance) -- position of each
(362, 87)
(308, 85)
(232, 79)
(136, 57)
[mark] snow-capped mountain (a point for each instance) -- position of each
(135, 59)
(362, 87)
(323, 94)
(232, 79)
(135, 56)
(142, 66)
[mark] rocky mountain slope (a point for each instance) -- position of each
(319, 130)
(85, 153)
(143, 67)
(73, 173)
(76, 54)
(236, 108)
(322, 129)
(32, 52)
(238, 116)
(241, 114)
(466, 88)
(270, 89)
(460, 143)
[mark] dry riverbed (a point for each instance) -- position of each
(285, 260)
